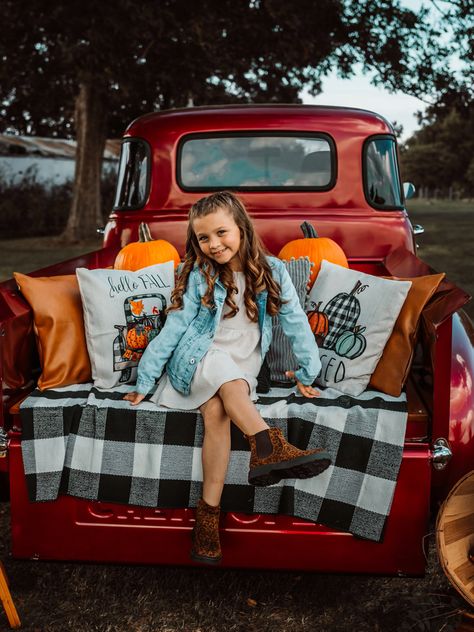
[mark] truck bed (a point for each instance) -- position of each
(75, 529)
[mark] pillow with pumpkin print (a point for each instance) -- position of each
(123, 312)
(352, 315)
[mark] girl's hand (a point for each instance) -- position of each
(306, 391)
(134, 398)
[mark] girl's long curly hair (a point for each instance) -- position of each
(258, 275)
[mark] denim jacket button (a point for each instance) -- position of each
(192, 361)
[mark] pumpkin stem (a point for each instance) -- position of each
(308, 230)
(144, 233)
(355, 288)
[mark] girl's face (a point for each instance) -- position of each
(219, 238)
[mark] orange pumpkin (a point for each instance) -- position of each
(316, 248)
(318, 321)
(145, 252)
(137, 337)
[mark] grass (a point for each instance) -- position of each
(443, 206)
(33, 253)
(447, 243)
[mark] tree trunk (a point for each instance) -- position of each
(90, 119)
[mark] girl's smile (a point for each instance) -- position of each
(219, 238)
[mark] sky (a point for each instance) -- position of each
(360, 93)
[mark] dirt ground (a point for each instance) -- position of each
(60, 597)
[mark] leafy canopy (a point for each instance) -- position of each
(170, 53)
(439, 157)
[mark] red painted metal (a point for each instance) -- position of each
(76, 529)
(458, 402)
(442, 380)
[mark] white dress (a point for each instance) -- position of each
(234, 354)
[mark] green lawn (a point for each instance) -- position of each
(447, 242)
(34, 253)
(447, 206)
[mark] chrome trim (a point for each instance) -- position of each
(441, 454)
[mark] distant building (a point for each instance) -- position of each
(50, 160)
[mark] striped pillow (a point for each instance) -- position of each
(280, 357)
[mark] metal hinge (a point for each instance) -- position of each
(441, 454)
(3, 443)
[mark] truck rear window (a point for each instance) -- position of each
(381, 175)
(250, 161)
(133, 182)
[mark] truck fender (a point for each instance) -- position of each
(461, 406)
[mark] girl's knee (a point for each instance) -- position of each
(214, 413)
(240, 386)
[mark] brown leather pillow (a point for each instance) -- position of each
(392, 369)
(59, 327)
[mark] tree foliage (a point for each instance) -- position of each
(86, 69)
(439, 158)
(456, 20)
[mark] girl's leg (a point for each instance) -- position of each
(272, 458)
(240, 408)
(215, 449)
(206, 547)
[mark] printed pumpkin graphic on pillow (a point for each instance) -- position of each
(351, 344)
(145, 317)
(342, 313)
(335, 326)
(352, 317)
(318, 321)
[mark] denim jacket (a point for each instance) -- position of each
(188, 333)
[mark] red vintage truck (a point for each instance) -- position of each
(350, 189)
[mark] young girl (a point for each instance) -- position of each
(217, 332)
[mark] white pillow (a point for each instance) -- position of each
(123, 311)
(361, 310)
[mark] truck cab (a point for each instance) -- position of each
(337, 167)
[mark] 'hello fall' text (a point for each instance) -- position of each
(136, 283)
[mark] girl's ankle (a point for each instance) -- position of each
(213, 504)
(263, 444)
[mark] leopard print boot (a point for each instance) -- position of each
(206, 546)
(272, 458)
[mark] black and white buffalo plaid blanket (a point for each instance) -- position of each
(92, 444)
